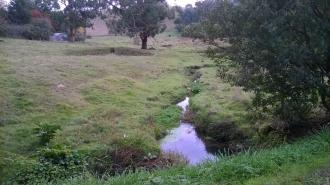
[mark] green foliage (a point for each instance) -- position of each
(310, 153)
(52, 164)
(196, 87)
(19, 11)
(58, 21)
(187, 16)
(39, 29)
(45, 132)
(281, 52)
(46, 6)
(143, 18)
(79, 14)
(193, 30)
(171, 13)
(100, 163)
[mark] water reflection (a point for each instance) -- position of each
(185, 141)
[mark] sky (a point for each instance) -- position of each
(182, 3)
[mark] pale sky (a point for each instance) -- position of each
(182, 3)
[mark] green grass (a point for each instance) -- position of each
(287, 164)
(106, 97)
(111, 101)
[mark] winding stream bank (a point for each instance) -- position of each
(184, 140)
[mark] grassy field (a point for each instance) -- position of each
(105, 99)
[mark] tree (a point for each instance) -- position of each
(187, 16)
(3, 17)
(281, 52)
(140, 17)
(19, 11)
(46, 6)
(78, 13)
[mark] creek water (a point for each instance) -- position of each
(184, 141)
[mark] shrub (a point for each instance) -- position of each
(45, 132)
(50, 165)
(100, 163)
(39, 29)
(15, 31)
(196, 87)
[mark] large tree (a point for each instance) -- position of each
(140, 17)
(281, 52)
(78, 13)
(46, 6)
(19, 11)
(187, 16)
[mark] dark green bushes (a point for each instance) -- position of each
(279, 52)
(45, 132)
(39, 29)
(50, 164)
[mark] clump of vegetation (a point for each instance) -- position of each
(39, 29)
(283, 61)
(187, 16)
(45, 132)
(50, 165)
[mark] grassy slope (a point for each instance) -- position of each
(108, 100)
(288, 164)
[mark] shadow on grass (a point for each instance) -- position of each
(124, 51)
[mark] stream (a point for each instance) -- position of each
(184, 141)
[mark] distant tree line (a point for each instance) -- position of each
(36, 19)
(186, 20)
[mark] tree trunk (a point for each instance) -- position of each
(72, 35)
(144, 43)
(144, 39)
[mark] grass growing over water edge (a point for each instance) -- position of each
(287, 164)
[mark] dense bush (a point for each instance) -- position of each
(187, 16)
(45, 132)
(19, 11)
(14, 31)
(50, 165)
(58, 21)
(281, 52)
(39, 29)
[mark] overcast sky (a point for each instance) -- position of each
(181, 2)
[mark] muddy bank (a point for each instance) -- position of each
(128, 159)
